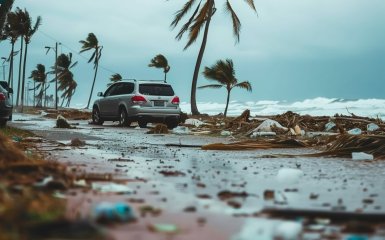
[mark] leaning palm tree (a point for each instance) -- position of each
(160, 61)
(115, 78)
(5, 7)
(200, 18)
(27, 34)
(223, 72)
(12, 32)
(65, 78)
(91, 42)
(39, 76)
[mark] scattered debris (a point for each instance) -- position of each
(256, 144)
(159, 128)
(289, 175)
(194, 122)
(108, 212)
(163, 228)
(76, 142)
(172, 173)
(288, 231)
(147, 209)
(355, 131)
(268, 195)
(361, 156)
(111, 188)
(61, 122)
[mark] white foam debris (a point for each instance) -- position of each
(181, 130)
(111, 187)
(355, 131)
(225, 133)
(289, 175)
(288, 231)
(266, 126)
(195, 122)
(371, 127)
(361, 156)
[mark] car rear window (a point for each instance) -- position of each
(156, 89)
(4, 85)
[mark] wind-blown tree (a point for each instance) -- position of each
(223, 72)
(160, 61)
(22, 28)
(201, 18)
(12, 32)
(115, 78)
(91, 43)
(39, 76)
(67, 84)
(5, 7)
(28, 32)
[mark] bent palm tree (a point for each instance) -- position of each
(115, 78)
(160, 61)
(39, 76)
(200, 18)
(5, 7)
(67, 84)
(91, 42)
(28, 32)
(223, 72)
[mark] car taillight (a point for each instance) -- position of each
(137, 99)
(175, 100)
(2, 97)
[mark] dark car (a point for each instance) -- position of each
(5, 103)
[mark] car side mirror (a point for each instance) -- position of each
(10, 90)
(100, 94)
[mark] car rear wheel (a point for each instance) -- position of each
(123, 117)
(172, 123)
(96, 119)
(142, 123)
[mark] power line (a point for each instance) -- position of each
(74, 51)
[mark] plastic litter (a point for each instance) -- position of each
(356, 237)
(163, 228)
(225, 133)
(112, 212)
(111, 187)
(195, 122)
(262, 134)
(266, 126)
(289, 175)
(181, 130)
(329, 126)
(288, 231)
(361, 156)
(355, 131)
(371, 127)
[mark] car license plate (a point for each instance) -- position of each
(158, 103)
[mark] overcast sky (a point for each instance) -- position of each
(290, 50)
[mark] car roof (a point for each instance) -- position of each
(144, 81)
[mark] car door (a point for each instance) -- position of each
(121, 93)
(104, 102)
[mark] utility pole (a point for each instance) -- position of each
(54, 48)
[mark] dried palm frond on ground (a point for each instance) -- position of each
(346, 144)
(257, 144)
(159, 129)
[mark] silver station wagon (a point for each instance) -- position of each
(5, 103)
(137, 101)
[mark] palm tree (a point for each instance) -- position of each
(91, 42)
(5, 7)
(160, 61)
(115, 78)
(67, 84)
(200, 18)
(223, 72)
(39, 76)
(11, 31)
(22, 29)
(28, 32)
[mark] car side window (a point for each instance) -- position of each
(127, 88)
(110, 91)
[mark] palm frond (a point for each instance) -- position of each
(235, 20)
(182, 12)
(211, 86)
(199, 23)
(244, 85)
(188, 23)
(251, 4)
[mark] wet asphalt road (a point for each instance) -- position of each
(191, 199)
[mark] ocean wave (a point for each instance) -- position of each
(317, 107)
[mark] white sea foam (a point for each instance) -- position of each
(316, 107)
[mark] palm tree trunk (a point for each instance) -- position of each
(10, 75)
(23, 79)
(194, 108)
(93, 83)
(165, 77)
(227, 103)
(20, 67)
